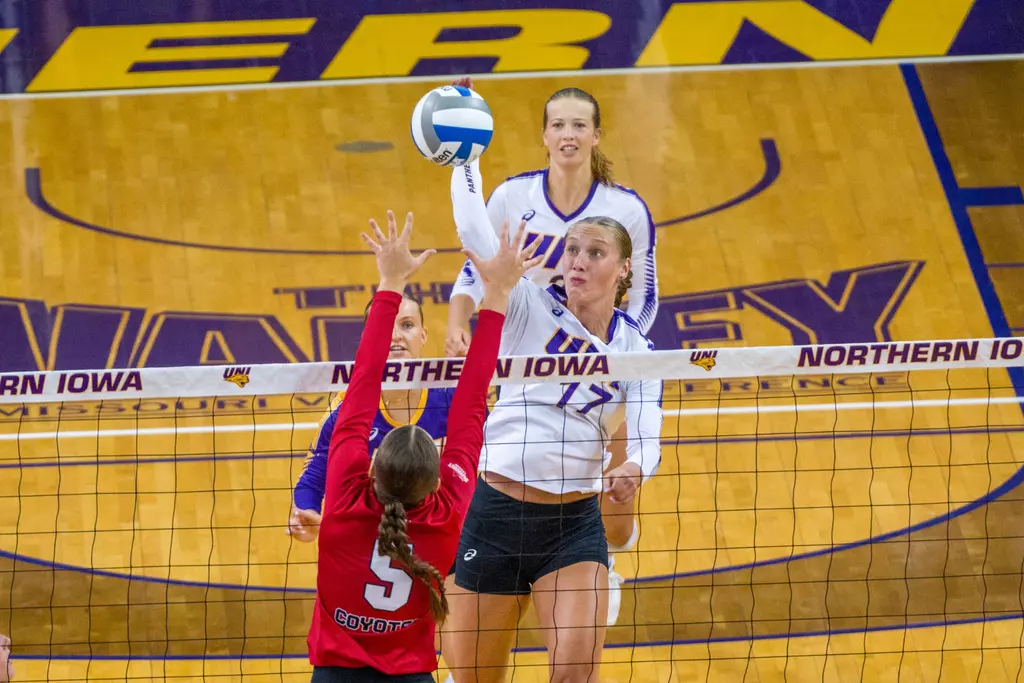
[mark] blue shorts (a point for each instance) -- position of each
(506, 544)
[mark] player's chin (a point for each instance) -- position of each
(579, 292)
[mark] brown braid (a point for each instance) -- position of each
(394, 543)
(624, 285)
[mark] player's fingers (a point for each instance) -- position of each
(406, 229)
(529, 250)
(374, 247)
(522, 231)
(504, 232)
(309, 516)
(530, 263)
(377, 232)
(473, 258)
(392, 226)
(455, 348)
(422, 258)
(519, 234)
(622, 489)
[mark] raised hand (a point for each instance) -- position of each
(395, 262)
(501, 272)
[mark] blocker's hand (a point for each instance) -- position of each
(503, 270)
(395, 262)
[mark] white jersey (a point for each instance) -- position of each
(549, 436)
(524, 197)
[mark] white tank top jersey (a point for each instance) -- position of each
(524, 197)
(549, 436)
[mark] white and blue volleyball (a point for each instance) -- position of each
(452, 125)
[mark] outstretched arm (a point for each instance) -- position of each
(472, 221)
(350, 440)
(349, 451)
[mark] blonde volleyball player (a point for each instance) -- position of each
(534, 528)
(577, 182)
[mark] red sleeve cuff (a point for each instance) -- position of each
(486, 313)
(386, 295)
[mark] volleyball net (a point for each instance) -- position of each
(806, 494)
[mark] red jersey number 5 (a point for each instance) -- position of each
(392, 596)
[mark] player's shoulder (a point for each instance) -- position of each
(335, 403)
(525, 176)
(636, 340)
(331, 415)
(629, 208)
(552, 292)
(521, 183)
(625, 197)
(625, 192)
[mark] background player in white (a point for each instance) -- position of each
(534, 527)
(577, 182)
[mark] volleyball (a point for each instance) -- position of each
(452, 125)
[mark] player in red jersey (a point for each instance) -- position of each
(386, 531)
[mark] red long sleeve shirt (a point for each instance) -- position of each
(369, 611)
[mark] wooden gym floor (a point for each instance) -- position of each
(734, 577)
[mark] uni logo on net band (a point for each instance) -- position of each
(704, 359)
(239, 376)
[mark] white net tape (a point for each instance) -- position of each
(728, 363)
